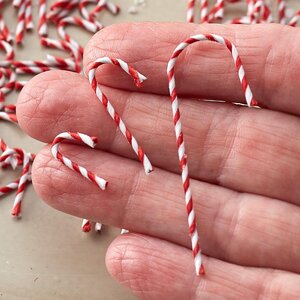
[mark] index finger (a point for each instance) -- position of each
(269, 54)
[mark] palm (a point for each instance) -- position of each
(244, 162)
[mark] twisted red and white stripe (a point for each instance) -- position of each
(179, 134)
(9, 54)
(20, 23)
(28, 15)
(204, 11)
(293, 22)
(16, 210)
(109, 5)
(42, 26)
(5, 33)
(82, 138)
(281, 11)
(138, 79)
(191, 11)
(89, 16)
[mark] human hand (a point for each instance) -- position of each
(244, 162)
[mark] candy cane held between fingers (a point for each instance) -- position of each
(138, 79)
(179, 134)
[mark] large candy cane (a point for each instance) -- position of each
(179, 134)
(138, 79)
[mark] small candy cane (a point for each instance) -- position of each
(5, 31)
(10, 117)
(293, 22)
(10, 54)
(179, 134)
(28, 15)
(110, 6)
(204, 11)
(21, 23)
(89, 26)
(85, 139)
(191, 11)
(86, 15)
(6, 87)
(281, 11)
(42, 27)
(138, 79)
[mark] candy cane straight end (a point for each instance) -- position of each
(86, 226)
(16, 211)
(201, 271)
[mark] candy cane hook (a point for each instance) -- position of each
(85, 139)
(138, 79)
(179, 134)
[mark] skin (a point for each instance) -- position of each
(244, 163)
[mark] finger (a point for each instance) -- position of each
(240, 228)
(155, 269)
(205, 70)
(254, 151)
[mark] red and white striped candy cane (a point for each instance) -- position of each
(8, 188)
(58, 14)
(89, 26)
(10, 54)
(178, 128)
(86, 15)
(42, 27)
(281, 4)
(204, 11)
(16, 210)
(28, 15)
(85, 139)
(6, 87)
(5, 33)
(191, 11)
(293, 22)
(10, 117)
(20, 84)
(109, 5)
(64, 63)
(21, 23)
(138, 79)
(86, 225)
(219, 9)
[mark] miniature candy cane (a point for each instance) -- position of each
(138, 79)
(16, 210)
(191, 11)
(21, 23)
(281, 11)
(9, 187)
(204, 11)
(19, 85)
(85, 139)
(6, 87)
(56, 16)
(86, 15)
(10, 117)
(111, 7)
(219, 9)
(86, 225)
(10, 54)
(5, 31)
(42, 27)
(179, 134)
(28, 15)
(89, 26)
(293, 22)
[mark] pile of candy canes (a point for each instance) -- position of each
(258, 11)
(58, 15)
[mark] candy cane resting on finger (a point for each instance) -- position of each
(85, 139)
(179, 134)
(138, 79)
